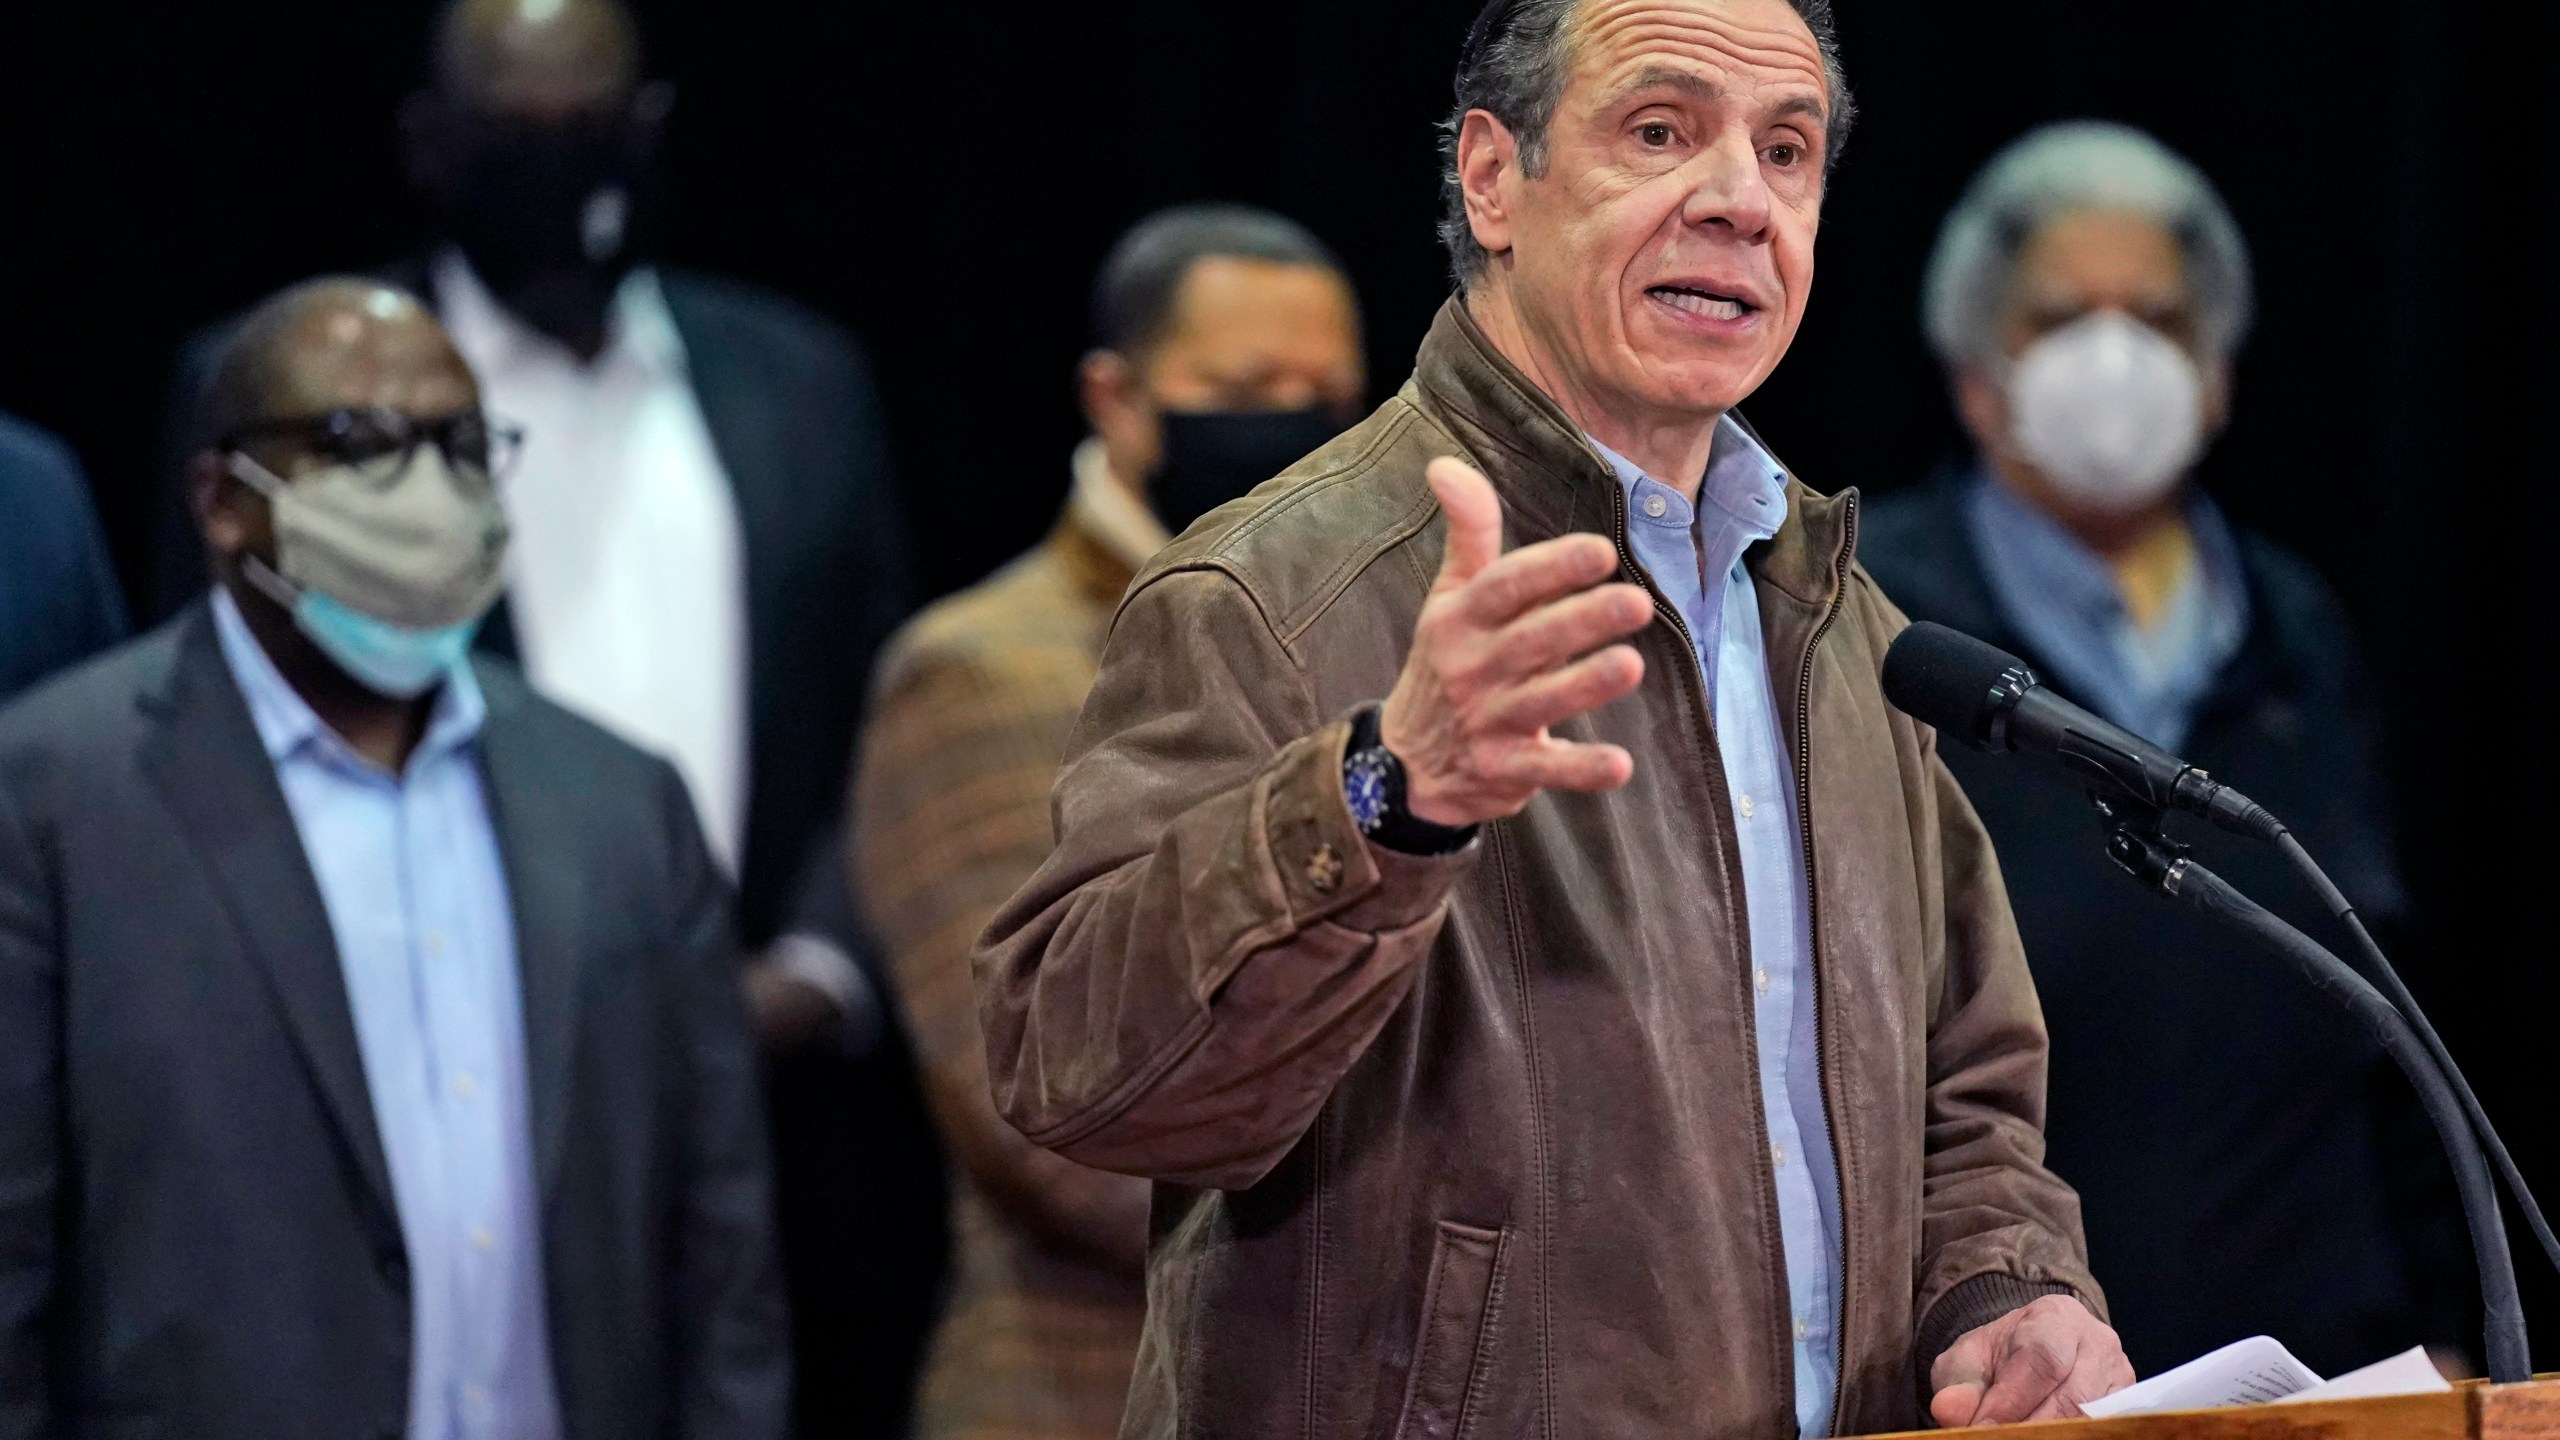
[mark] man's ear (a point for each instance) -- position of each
(1488, 168)
(2217, 397)
(1122, 416)
(218, 502)
(1107, 388)
(1983, 406)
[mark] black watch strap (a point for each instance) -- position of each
(1393, 826)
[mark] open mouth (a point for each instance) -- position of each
(1705, 304)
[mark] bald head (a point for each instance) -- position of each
(336, 343)
(544, 62)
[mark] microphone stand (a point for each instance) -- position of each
(2378, 969)
(2137, 844)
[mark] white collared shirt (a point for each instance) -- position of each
(626, 577)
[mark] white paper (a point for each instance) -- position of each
(2408, 1373)
(2247, 1372)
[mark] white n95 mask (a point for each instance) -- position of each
(2111, 410)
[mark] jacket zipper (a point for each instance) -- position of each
(1813, 932)
(1804, 797)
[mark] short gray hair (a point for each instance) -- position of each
(1517, 75)
(2065, 169)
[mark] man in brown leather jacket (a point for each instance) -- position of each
(1621, 1030)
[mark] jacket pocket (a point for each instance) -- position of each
(1460, 1307)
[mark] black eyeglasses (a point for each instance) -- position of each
(379, 443)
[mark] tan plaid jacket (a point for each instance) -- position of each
(970, 713)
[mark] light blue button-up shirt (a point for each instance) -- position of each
(1694, 556)
(409, 871)
(2062, 598)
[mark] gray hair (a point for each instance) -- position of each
(1135, 294)
(2064, 169)
(1518, 77)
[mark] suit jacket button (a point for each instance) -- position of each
(1324, 869)
(392, 1262)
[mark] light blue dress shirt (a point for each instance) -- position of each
(1694, 556)
(2062, 599)
(409, 870)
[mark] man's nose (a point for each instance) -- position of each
(1726, 189)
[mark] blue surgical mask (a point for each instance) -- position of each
(388, 659)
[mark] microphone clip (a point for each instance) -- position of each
(2139, 845)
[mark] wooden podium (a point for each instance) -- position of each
(2474, 1411)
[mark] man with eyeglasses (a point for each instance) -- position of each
(372, 1060)
(706, 557)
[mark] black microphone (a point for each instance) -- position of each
(1989, 699)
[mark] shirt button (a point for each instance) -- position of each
(1747, 807)
(1803, 1330)
(476, 1396)
(483, 1240)
(1655, 505)
(1778, 1155)
(435, 942)
(464, 1085)
(1760, 980)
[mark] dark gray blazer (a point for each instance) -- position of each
(197, 1237)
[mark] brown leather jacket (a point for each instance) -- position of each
(1472, 1146)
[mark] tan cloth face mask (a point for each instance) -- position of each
(424, 548)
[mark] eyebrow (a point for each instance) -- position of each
(1663, 77)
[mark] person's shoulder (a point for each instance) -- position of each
(37, 467)
(90, 712)
(2299, 608)
(577, 757)
(1297, 543)
(1910, 533)
(738, 312)
(1025, 617)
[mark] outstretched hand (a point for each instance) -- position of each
(1506, 646)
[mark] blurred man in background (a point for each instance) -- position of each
(2087, 297)
(706, 559)
(372, 1060)
(1227, 345)
(58, 597)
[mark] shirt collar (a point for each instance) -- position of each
(1744, 483)
(639, 328)
(286, 722)
(1109, 512)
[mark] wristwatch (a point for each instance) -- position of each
(1373, 782)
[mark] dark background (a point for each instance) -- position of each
(944, 177)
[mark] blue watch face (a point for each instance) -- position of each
(1364, 784)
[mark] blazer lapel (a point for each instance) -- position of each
(210, 766)
(550, 903)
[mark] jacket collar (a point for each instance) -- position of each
(1552, 480)
(205, 756)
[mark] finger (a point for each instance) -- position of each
(1475, 519)
(1560, 630)
(2058, 1406)
(1553, 764)
(1968, 1361)
(1535, 574)
(1953, 1408)
(1559, 695)
(2025, 1377)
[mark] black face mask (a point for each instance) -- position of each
(552, 221)
(1212, 458)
